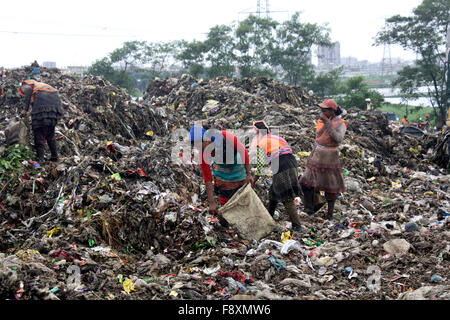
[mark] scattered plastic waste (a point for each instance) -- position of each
(115, 218)
(278, 264)
(128, 286)
(436, 278)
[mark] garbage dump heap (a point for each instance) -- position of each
(134, 223)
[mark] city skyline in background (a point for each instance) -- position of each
(327, 59)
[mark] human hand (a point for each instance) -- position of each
(255, 179)
(324, 118)
(250, 180)
(213, 208)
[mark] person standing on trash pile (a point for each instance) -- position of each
(323, 168)
(405, 120)
(426, 123)
(447, 121)
(224, 162)
(276, 152)
(2, 95)
(369, 104)
(36, 69)
(45, 112)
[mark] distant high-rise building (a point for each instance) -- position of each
(329, 57)
(349, 61)
(77, 70)
(49, 64)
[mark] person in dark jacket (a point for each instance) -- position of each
(45, 112)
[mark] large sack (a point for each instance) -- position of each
(247, 214)
(17, 133)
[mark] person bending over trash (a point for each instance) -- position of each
(323, 167)
(224, 159)
(276, 152)
(45, 112)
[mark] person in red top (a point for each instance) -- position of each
(224, 162)
(426, 123)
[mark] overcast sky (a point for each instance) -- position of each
(80, 32)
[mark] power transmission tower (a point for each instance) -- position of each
(386, 63)
(386, 66)
(261, 7)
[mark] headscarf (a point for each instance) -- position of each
(197, 134)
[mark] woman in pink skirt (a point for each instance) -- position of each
(323, 168)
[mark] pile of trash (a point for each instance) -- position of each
(116, 218)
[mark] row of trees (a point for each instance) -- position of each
(258, 47)
(424, 33)
(255, 47)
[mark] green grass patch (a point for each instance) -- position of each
(414, 113)
(11, 159)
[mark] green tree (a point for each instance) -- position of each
(141, 79)
(220, 46)
(355, 92)
(425, 34)
(255, 39)
(293, 48)
(327, 84)
(160, 56)
(103, 67)
(120, 66)
(409, 81)
(130, 55)
(192, 56)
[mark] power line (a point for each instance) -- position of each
(262, 6)
(66, 34)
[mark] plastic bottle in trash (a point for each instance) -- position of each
(203, 195)
(276, 215)
(298, 205)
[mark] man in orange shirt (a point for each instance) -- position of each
(405, 120)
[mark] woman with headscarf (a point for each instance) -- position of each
(224, 162)
(276, 152)
(323, 168)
